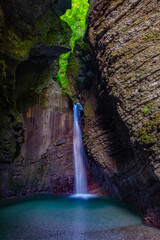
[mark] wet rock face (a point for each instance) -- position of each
(46, 155)
(44, 163)
(123, 141)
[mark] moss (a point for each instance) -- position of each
(61, 77)
(82, 46)
(14, 46)
(132, 76)
(73, 66)
(148, 134)
(150, 37)
(147, 109)
(70, 68)
(137, 19)
(50, 29)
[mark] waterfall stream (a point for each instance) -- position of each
(78, 153)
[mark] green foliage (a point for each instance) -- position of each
(75, 18)
(61, 76)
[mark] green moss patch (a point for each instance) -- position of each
(147, 109)
(149, 133)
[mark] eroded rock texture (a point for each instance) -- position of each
(121, 131)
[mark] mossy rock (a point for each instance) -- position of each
(73, 67)
(52, 31)
(78, 72)
(48, 29)
(148, 134)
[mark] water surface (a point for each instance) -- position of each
(45, 217)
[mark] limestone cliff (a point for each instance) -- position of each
(122, 116)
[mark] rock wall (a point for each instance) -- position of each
(45, 163)
(36, 119)
(122, 116)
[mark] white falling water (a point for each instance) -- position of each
(78, 153)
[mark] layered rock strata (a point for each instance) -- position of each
(122, 134)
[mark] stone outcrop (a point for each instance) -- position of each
(122, 116)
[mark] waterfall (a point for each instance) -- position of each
(78, 153)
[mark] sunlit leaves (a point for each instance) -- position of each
(76, 19)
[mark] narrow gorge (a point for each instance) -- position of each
(105, 55)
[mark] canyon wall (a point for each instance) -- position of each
(122, 111)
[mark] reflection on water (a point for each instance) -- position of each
(64, 218)
(78, 223)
